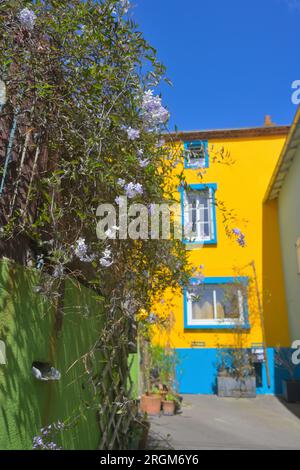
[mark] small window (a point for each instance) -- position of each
(196, 154)
(200, 215)
(220, 303)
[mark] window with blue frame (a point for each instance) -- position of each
(196, 154)
(199, 213)
(216, 302)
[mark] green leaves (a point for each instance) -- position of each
(84, 73)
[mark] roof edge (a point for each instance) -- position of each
(228, 133)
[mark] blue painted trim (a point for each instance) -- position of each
(223, 280)
(217, 280)
(195, 143)
(200, 187)
(196, 371)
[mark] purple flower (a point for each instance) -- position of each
(81, 251)
(59, 425)
(38, 441)
(132, 134)
(160, 143)
(144, 162)
(106, 260)
(27, 19)
(125, 4)
(58, 271)
(132, 189)
(80, 248)
(154, 114)
(240, 237)
(121, 182)
(151, 318)
(139, 188)
(241, 240)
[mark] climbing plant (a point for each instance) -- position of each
(82, 125)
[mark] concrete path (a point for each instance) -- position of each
(209, 422)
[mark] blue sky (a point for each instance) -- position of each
(230, 61)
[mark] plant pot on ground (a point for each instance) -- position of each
(237, 387)
(169, 404)
(291, 390)
(151, 403)
(168, 407)
(291, 386)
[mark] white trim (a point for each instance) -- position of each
(200, 208)
(215, 320)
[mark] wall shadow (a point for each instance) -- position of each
(274, 299)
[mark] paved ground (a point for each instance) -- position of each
(209, 422)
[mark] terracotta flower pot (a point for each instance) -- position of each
(150, 404)
(168, 407)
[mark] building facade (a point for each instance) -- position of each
(236, 299)
(284, 189)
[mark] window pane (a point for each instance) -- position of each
(199, 214)
(228, 304)
(202, 305)
(196, 153)
(206, 231)
(206, 215)
(216, 302)
(203, 199)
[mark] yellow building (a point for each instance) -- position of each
(236, 299)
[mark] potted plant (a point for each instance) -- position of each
(169, 404)
(163, 390)
(236, 375)
(151, 402)
(291, 385)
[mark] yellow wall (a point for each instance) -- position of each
(241, 187)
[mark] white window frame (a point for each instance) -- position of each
(199, 223)
(215, 321)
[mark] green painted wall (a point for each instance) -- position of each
(134, 361)
(289, 217)
(27, 326)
